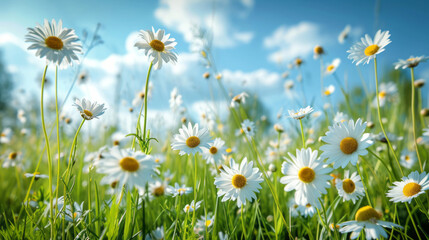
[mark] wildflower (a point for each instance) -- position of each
(158, 46)
(133, 169)
(216, 151)
(387, 91)
(157, 189)
(6, 135)
(367, 49)
(206, 75)
(411, 62)
(345, 142)
(21, 116)
(293, 207)
(239, 182)
(298, 62)
(13, 159)
(240, 98)
(351, 187)
(368, 219)
(159, 158)
(175, 99)
(89, 110)
(223, 236)
(248, 127)
(301, 113)
(329, 90)
(279, 128)
(306, 174)
(410, 187)
(157, 234)
(205, 222)
(178, 190)
(191, 140)
(408, 159)
(419, 83)
(57, 44)
(424, 112)
(272, 154)
(318, 51)
(191, 207)
(344, 34)
(340, 117)
(332, 67)
(36, 175)
(307, 210)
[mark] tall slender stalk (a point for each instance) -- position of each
(57, 120)
(413, 118)
(302, 133)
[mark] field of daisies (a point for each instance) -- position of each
(358, 172)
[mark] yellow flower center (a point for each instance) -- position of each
(330, 68)
(13, 155)
(157, 45)
(74, 215)
(308, 205)
(367, 213)
(188, 207)
(3, 134)
(239, 181)
(159, 191)
(213, 150)
(181, 191)
(54, 43)
(411, 59)
(193, 141)
(87, 113)
(348, 185)
(382, 94)
(295, 206)
(411, 189)
(348, 145)
(129, 164)
(157, 160)
(249, 129)
(327, 92)
(116, 143)
(407, 158)
(371, 50)
(318, 50)
(208, 222)
(298, 61)
(306, 174)
(114, 184)
(228, 150)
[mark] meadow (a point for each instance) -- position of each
(352, 169)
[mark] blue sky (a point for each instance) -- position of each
(249, 36)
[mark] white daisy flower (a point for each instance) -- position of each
(293, 208)
(74, 214)
(387, 91)
(21, 116)
(341, 117)
(157, 234)
(158, 46)
(367, 49)
(215, 153)
(272, 154)
(133, 169)
(318, 51)
(191, 140)
(368, 219)
(36, 175)
(139, 97)
(332, 67)
(191, 207)
(239, 182)
(248, 128)
(178, 190)
(329, 90)
(411, 62)
(6, 135)
(307, 210)
(13, 159)
(223, 236)
(351, 187)
(205, 222)
(408, 158)
(57, 44)
(345, 142)
(425, 136)
(410, 187)
(344, 34)
(89, 110)
(119, 138)
(93, 157)
(159, 158)
(175, 99)
(301, 113)
(239, 99)
(157, 189)
(306, 174)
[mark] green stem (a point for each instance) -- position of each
(242, 222)
(302, 133)
(321, 75)
(48, 151)
(364, 185)
(72, 148)
(379, 117)
(58, 136)
(413, 118)
(412, 221)
(195, 189)
(145, 107)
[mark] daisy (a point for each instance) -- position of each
(318, 51)
(157, 189)
(240, 98)
(191, 207)
(75, 213)
(158, 46)
(411, 62)
(238, 182)
(36, 175)
(13, 159)
(223, 236)
(92, 158)
(248, 128)
(175, 99)
(191, 140)
(368, 219)
(408, 158)
(344, 34)
(205, 222)
(307, 210)
(332, 67)
(306, 174)
(410, 187)
(89, 110)
(139, 97)
(133, 169)
(345, 142)
(6, 135)
(425, 136)
(159, 158)
(157, 234)
(387, 91)
(57, 44)
(293, 208)
(216, 151)
(272, 154)
(21, 116)
(301, 113)
(340, 117)
(178, 190)
(329, 90)
(367, 49)
(351, 187)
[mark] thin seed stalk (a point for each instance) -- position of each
(58, 137)
(302, 133)
(413, 118)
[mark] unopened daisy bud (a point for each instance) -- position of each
(370, 124)
(206, 75)
(272, 168)
(384, 120)
(131, 110)
(298, 62)
(263, 118)
(279, 128)
(318, 51)
(419, 83)
(219, 76)
(68, 120)
(424, 112)
(183, 120)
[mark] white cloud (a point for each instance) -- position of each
(218, 16)
(256, 80)
(293, 41)
(9, 38)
